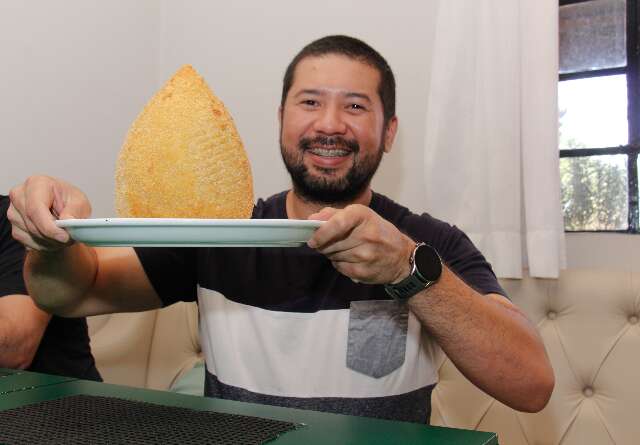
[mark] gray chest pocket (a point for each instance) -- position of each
(377, 336)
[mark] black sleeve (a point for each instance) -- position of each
(11, 256)
(468, 263)
(457, 252)
(172, 272)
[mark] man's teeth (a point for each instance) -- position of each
(329, 152)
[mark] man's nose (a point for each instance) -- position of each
(330, 121)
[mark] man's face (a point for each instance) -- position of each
(332, 133)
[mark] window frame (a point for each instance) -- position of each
(632, 149)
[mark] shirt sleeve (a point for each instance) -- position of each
(172, 272)
(460, 255)
(11, 256)
(469, 264)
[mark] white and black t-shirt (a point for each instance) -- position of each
(281, 326)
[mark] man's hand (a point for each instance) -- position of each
(362, 245)
(34, 207)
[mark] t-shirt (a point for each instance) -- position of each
(64, 348)
(281, 326)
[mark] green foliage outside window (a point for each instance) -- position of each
(594, 194)
(594, 190)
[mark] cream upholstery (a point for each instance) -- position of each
(589, 323)
(588, 320)
(147, 349)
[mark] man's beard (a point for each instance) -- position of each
(328, 189)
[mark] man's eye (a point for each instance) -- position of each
(356, 107)
(310, 102)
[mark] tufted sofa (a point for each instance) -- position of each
(152, 349)
(588, 320)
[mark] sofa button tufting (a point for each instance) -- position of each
(588, 391)
(551, 315)
(633, 319)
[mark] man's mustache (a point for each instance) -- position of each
(333, 141)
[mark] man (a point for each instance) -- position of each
(313, 327)
(29, 337)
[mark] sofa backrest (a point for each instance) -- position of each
(146, 349)
(588, 320)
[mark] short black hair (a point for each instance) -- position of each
(354, 49)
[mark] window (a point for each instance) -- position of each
(599, 114)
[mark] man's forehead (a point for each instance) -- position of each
(335, 73)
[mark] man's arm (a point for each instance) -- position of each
(488, 339)
(80, 281)
(22, 325)
(69, 279)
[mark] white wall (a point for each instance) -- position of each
(73, 76)
(76, 73)
(610, 250)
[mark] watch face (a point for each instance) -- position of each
(428, 262)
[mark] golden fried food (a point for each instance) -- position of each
(183, 157)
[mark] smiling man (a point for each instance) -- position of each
(332, 134)
(352, 323)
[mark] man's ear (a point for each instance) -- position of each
(390, 134)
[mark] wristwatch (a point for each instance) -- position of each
(426, 268)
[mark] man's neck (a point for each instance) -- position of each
(298, 208)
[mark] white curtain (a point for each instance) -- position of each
(491, 160)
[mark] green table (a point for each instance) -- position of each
(22, 388)
(14, 381)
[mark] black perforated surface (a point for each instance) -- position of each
(105, 420)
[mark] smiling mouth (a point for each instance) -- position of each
(329, 152)
(329, 147)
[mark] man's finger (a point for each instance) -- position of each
(342, 247)
(39, 201)
(27, 240)
(15, 218)
(32, 229)
(19, 223)
(58, 205)
(31, 235)
(337, 228)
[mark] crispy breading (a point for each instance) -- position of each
(183, 157)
